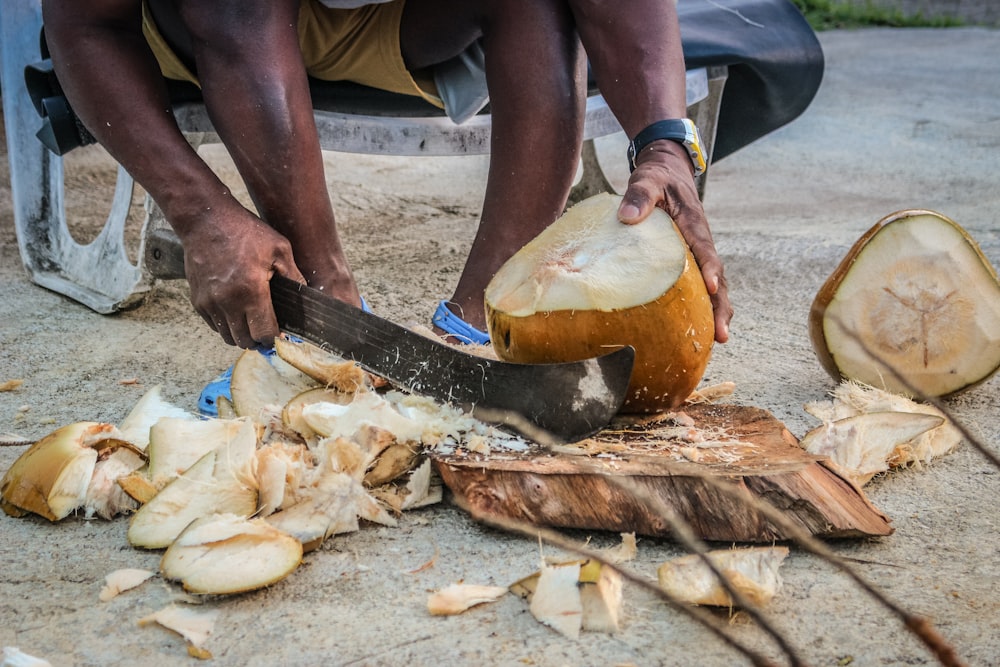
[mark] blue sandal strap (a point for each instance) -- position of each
(453, 325)
(208, 400)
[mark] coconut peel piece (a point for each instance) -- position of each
(556, 598)
(326, 368)
(52, 477)
(862, 446)
(601, 593)
(753, 572)
(138, 486)
(226, 554)
(291, 414)
(194, 624)
(220, 482)
(457, 598)
(176, 444)
(588, 284)
(259, 381)
(329, 508)
(105, 497)
(15, 657)
(146, 412)
(280, 469)
(119, 581)
(852, 398)
(918, 293)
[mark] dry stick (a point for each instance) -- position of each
(680, 528)
(557, 539)
(921, 627)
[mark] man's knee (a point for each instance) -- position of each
(234, 25)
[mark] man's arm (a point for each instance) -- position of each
(115, 87)
(635, 51)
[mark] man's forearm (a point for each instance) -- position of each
(113, 83)
(635, 51)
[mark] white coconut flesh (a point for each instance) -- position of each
(589, 260)
(919, 294)
(224, 554)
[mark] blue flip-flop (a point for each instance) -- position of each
(453, 325)
(208, 401)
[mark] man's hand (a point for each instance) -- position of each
(663, 177)
(229, 261)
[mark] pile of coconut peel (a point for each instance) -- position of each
(310, 445)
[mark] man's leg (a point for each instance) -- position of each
(256, 92)
(537, 80)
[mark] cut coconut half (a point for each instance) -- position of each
(589, 284)
(226, 554)
(916, 293)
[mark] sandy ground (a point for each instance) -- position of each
(905, 118)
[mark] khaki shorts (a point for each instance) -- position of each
(359, 45)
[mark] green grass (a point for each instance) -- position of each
(830, 14)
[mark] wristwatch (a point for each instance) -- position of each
(681, 130)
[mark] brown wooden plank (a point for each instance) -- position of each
(758, 454)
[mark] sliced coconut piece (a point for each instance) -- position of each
(149, 410)
(753, 572)
(326, 368)
(220, 482)
(862, 446)
(224, 408)
(119, 581)
(176, 444)
(105, 497)
(917, 292)
(15, 657)
(138, 486)
(589, 284)
(259, 381)
(225, 554)
(601, 593)
(392, 463)
(193, 624)
(292, 412)
(456, 598)
(280, 470)
(852, 398)
(52, 477)
(556, 599)
(330, 508)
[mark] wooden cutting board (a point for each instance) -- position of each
(747, 446)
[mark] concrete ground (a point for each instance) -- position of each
(904, 119)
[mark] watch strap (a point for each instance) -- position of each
(681, 130)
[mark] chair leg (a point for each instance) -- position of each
(98, 274)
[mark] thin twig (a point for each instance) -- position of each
(557, 539)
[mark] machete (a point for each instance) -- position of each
(569, 401)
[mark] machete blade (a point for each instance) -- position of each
(569, 401)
